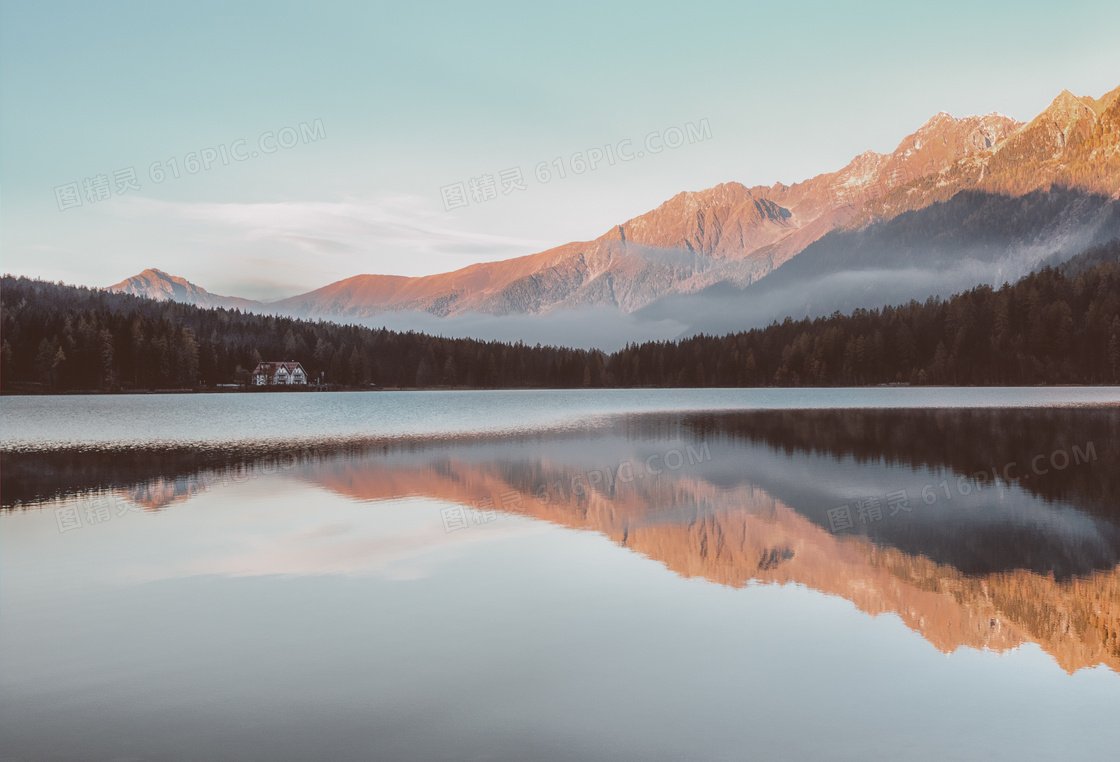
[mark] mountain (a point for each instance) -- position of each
(158, 285)
(724, 239)
(1074, 142)
(948, 247)
(729, 233)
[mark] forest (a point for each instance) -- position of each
(1055, 326)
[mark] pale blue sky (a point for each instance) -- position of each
(414, 97)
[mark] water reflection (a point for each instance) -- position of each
(982, 529)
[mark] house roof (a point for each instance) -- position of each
(272, 368)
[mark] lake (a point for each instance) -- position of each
(847, 574)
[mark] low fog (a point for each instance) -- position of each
(971, 240)
(605, 328)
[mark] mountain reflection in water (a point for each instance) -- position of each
(981, 528)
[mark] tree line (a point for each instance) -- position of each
(1055, 326)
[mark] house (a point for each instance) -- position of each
(279, 374)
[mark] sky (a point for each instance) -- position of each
(266, 149)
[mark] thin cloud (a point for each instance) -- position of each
(401, 226)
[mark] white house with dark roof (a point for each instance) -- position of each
(279, 374)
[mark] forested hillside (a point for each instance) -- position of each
(1054, 326)
(77, 338)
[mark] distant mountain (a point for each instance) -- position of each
(726, 238)
(158, 285)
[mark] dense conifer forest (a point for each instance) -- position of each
(1056, 326)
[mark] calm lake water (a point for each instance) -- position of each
(252, 420)
(698, 574)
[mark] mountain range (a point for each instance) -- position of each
(720, 246)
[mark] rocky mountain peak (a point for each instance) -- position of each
(160, 286)
(945, 138)
(719, 221)
(1106, 102)
(1066, 109)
